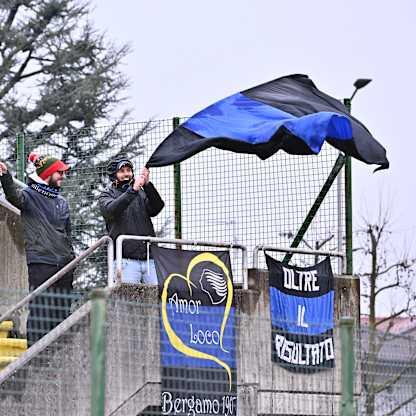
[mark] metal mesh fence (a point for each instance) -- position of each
(48, 310)
(225, 196)
(141, 379)
(54, 376)
(388, 369)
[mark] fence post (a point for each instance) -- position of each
(348, 204)
(347, 367)
(97, 348)
(340, 217)
(20, 157)
(177, 187)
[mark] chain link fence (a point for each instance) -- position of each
(54, 377)
(224, 197)
(388, 373)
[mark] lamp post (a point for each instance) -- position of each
(358, 84)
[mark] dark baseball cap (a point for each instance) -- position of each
(123, 163)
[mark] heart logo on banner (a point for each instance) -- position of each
(174, 339)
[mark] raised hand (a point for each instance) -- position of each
(145, 173)
(3, 168)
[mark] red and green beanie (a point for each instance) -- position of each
(46, 165)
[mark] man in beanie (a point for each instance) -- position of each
(127, 206)
(47, 234)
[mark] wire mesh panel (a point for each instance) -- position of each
(388, 373)
(132, 353)
(264, 387)
(53, 377)
(142, 380)
(240, 198)
(225, 196)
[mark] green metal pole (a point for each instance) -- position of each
(339, 163)
(347, 367)
(20, 157)
(98, 333)
(177, 187)
(348, 205)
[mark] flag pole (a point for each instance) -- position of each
(177, 191)
(339, 163)
(348, 205)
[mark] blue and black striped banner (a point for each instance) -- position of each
(288, 113)
(302, 315)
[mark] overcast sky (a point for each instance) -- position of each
(188, 54)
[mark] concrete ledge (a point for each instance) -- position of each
(299, 404)
(146, 396)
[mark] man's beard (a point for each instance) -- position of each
(54, 184)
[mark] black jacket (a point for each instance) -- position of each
(46, 224)
(128, 212)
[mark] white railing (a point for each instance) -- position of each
(71, 265)
(280, 249)
(149, 240)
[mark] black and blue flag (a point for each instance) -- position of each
(302, 315)
(288, 113)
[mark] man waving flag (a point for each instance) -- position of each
(288, 113)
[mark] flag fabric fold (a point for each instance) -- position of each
(288, 113)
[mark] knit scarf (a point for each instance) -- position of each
(45, 190)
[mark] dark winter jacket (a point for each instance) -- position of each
(46, 224)
(128, 212)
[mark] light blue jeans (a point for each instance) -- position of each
(135, 272)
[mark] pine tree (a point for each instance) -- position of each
(59, 78)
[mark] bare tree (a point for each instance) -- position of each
(384, 272)
(316, 245)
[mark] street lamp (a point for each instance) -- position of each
(358, 84)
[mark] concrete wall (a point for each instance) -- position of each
(264, 388)
(59, 384)
(56, 381)
(13, 269)
(268, 389)
(133, 357)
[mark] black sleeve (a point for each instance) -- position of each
(153, 201)
(13, 195)
(111, 206)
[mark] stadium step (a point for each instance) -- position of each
(5, 327)
(10, 348)
(5, 361)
